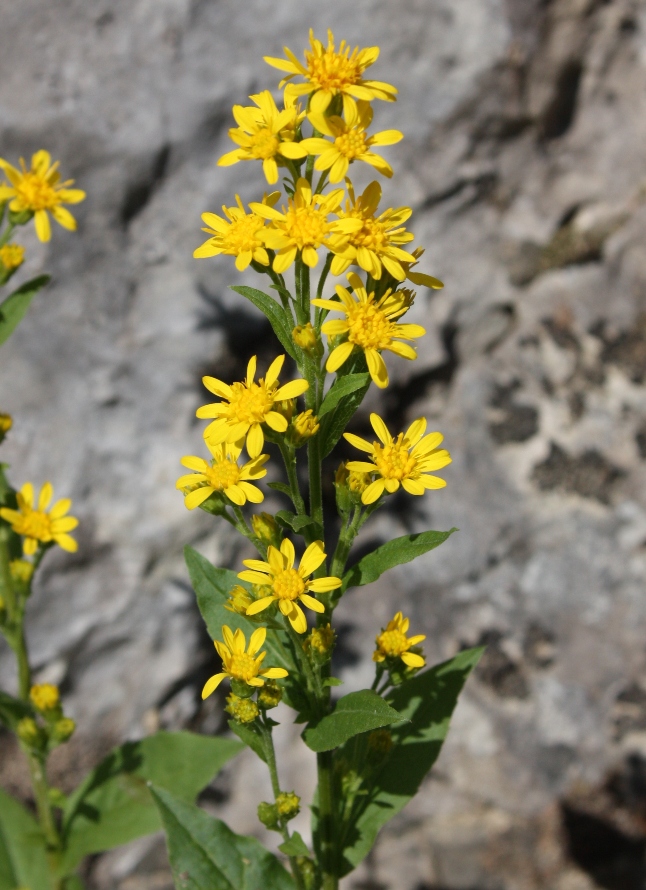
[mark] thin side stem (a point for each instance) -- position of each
(289, 459)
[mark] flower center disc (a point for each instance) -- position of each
(394, 461)
(263, 144)
(393, 642)
(250, 404)
(306, 226)
(35, 193)
(223, 475)
(351, 144)
(288, 585)
(36, 525)
(242, 666)
(332, 71)
(372, 235)
(242, 234)
(369, 327)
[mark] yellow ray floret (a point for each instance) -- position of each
(264, 134)
(421, 278)
(240, 235)
(240, 662)
(350, 142)
(222, 474)
(38, 191)
(375, 244)
(247, 406)
(370, 326)
(329, 72)
(288, 585)
(393, 643)
(303, 226)
(405, 460)
(36, 525)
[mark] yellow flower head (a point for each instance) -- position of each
(305, 425)
(393, 643)
(370, 326)
(288, 585)
(38, 526)
(44, 697)
(239, 600)
(329, 72)
(375, 244)
(222, 474)
(303, 225)
(350, 142)
(6, 422)
(247, 406)
(321, 639)
(244, 710)
(242, 663)
(264, 134)
(240, 235)
(38, 191)
(12, 256)
(288, 804)
(271, 695)
(405, 460)
(265, 527)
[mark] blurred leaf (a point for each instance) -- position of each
(295, 846)
(12, 710)
(14, 308)
(23, 856)
(275, 314)
(354, 713)
(394, 553)
(113, 805)
(206, 855)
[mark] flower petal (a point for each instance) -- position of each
(313, 557)
(311, 603)
(323, 585)
(194, 498)
(380, 429)
(373, 492)
(259, 605)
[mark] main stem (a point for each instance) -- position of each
(326, 820)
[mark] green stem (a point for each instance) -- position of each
(289, 459)
(6, 235)
(326, 820)
(43, 806)
(312, 680)
(6, 583)
(346, 539)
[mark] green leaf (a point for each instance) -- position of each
(206, 855)
(250, 736)
(12, 710)
(113, 805)
(332, 681)
(282, 488)
(334, 423)
(290, 520)
(23, 856)
(394, 553)
(275, 313)
(354, 713)
(343, 386)
(427, 701)
(295, 846)
(14, 308)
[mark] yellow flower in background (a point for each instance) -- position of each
(240, 662)
(240, 234)
(393, 643)
(329, 72)
(303, 225)
(44, 697)
(6, 422)
(375, 244)
(38, 191)
(222, 474)
(249, 406)
(405, 460)
(36, 525)
(350, 142)
(264, 134)
(12, 256)
(370, 325)
(288, 585)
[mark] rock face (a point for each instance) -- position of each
(525, 123)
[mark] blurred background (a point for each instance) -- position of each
(524, 161)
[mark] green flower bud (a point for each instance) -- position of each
(29, 733)
(270, 695)
(244, 710)
(288, 804)
(266, 528)
(62, 730)
(268, 815)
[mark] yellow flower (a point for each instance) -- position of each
(330, 73)
(305, 426)
(370, 325)
(244, 710)
(44, 697)
(374, 245)
(288, 804)
(240, 663)
(305, 336)
(6, 422)
(249, 406)
(350, 142)
(36, 525)
(303, 226)
(40, 190)
(265, 527)
(393, 643)
(288, 585)
(239, 600)
(12, 256)
(404, 461)
(242, 236)
(271, 695)
(264, 134)
(222, 474)
(321, 639)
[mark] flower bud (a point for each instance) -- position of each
(266, 528)
(29, 733)
(320, 642)
(288, 805)
(304, 426)
(305, 336)
(12, 256)
(62, 730)
(307, 869)
(270, 695)
(244, 710)
(268, 815)
(21, 571)
(44, 697)
(6, 422)
(239, 600)
(242, 689)
(358, 482)
(286, 408)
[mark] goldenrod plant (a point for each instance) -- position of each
(112, 805)
(272, 621)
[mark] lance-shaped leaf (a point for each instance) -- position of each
(276, 315)
(393, 553)
(14, 308)
(343, 386)
(335, 422)
(206, 855)
(113, 805)
(428, 701)
(23, 856)
(354, 713)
